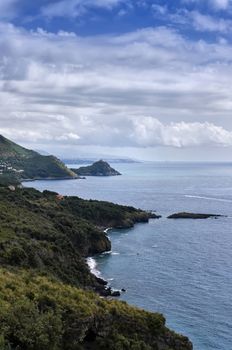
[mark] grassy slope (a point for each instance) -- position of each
(42, 244)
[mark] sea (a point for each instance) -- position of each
(180, 268)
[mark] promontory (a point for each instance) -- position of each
(99, 168)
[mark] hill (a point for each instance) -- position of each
(18, 163)
(47, 292)
(99, 168)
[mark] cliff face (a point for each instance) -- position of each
(99, 168)
(47, 298)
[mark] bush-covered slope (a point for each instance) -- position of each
(47, 298)
(52, 233)
(39, 313)
(20, 162)
(106, 214)
(37, 231)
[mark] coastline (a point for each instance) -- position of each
(91, 262)
(49, 179)
(106, 290)
(103, 289)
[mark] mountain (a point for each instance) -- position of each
(99, 168)
(18, 163)
(89, 160)
(48, 296)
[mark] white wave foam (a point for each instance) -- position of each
(93, 266)
(115, 253)
(107, 253)
(107, 229)
(209, 198)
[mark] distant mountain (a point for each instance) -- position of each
(99, 168)
(18, 163)
(90, 160)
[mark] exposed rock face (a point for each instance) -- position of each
(185, 215)
(99, 168)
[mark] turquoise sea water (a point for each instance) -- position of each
(181, 268)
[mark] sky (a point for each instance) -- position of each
(146, 79)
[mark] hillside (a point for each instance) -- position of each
(99, 168)
(18, 163)
(47, 298)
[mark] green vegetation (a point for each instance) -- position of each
(99, 168)
(9, 179)
(48, 296)
(52, 233)
(106, 214)
(37, 312)
(18, 163)
(184, 215)
(39, 231)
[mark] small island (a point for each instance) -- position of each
(99, 168)
(186, 215)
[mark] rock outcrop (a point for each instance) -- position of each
(186, 215)
(99, 168)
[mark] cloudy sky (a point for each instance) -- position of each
(148, 79)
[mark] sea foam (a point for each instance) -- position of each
(209, 198)
(93, 267)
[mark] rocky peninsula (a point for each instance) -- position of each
(99, 168)
(19, 164)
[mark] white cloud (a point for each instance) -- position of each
(61, 88)
(150, 132)
(208, 23)
(214, 4)
(75, 8)
(186, 19)
(159, 9)
(220, 4)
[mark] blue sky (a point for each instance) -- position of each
(144, 78)
(92, 17)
